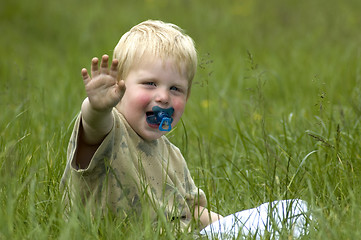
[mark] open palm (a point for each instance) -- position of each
(103, 88)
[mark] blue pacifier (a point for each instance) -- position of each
(162, 117)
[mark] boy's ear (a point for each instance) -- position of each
(188, 94)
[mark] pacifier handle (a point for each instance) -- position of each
(167, 122)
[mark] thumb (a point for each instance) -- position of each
(121, 88)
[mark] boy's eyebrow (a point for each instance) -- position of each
(181, 85)
(142, 77)
(147, 79)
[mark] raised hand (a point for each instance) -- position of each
(103, 88)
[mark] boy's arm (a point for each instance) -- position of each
(104, 92)
(205, 216)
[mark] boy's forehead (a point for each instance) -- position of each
(166, 62)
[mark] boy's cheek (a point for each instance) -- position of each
(179, 108)
(142, 99)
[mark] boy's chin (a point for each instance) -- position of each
(152, 136)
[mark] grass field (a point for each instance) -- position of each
(274, 113)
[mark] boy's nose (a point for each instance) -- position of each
(162, 96)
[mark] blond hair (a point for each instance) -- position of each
(158, 39)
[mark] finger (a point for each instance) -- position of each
(104, 64)
(94, 67)
(114, 68)
(85, 75)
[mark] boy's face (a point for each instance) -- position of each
(152, 83)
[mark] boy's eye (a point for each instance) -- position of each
(175, 89)
(149, 83)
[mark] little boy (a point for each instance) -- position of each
(118, 156)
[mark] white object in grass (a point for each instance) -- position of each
(290, 216)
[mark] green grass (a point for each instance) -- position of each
(274, 113)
